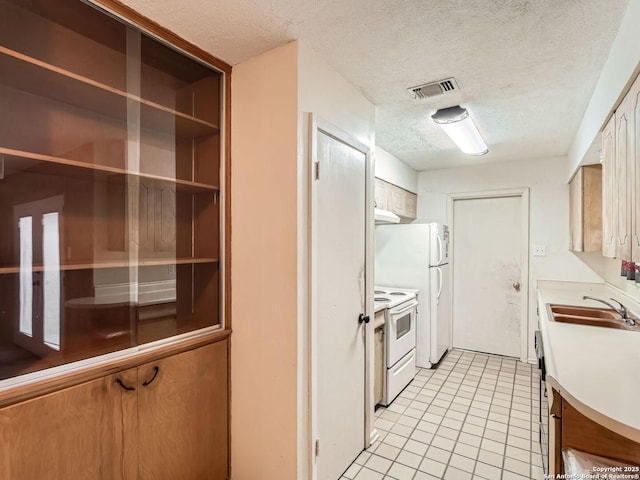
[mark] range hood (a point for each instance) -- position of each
(385, 216)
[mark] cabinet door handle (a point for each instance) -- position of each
(156, 369)
(121, 383)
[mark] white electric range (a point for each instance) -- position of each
(399, 337)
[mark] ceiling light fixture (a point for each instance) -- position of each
(456, 122)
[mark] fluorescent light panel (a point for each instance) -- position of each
(458, 125)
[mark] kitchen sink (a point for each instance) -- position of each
(594, 322)
(595, 317)
(584, 311)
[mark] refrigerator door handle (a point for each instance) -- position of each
(440, 250)
(440, 278)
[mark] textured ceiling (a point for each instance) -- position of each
(526, 68)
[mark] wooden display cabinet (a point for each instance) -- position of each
(110, 160)
(112, 168)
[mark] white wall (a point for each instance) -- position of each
(549, 213)
(393, 170)
(616, 77)
(324, 92)
(609, 270)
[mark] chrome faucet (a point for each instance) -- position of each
(622, 311)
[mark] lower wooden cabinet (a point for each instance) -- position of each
(74, 433)
(182, 416)
(572, 429)
(161, 420)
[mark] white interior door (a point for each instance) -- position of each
(488, 239)
(339, 337)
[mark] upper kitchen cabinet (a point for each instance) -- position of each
(609, 195)
(621, 179)
(624, 180)
(110, 168)
(634, 145)
(585, 200)
(395, 199)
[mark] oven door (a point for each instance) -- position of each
(400, 331)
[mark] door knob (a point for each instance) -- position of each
(516, 286)
(363, 318)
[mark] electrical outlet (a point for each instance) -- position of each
(539, 251)
(171, 270)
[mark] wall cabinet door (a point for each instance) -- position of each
(411, 205)
(398, 201)
(624, 181)
(609, 203)
(634, 94)
(381, 195)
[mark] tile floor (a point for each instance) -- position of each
(475, 416)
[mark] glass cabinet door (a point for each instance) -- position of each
(109, 187)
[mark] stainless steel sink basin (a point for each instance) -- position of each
(595, 317)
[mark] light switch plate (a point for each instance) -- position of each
(539, 251)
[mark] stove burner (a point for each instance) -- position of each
(397, 293)
(379, 292)
(381, 299)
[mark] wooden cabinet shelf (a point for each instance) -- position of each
(115, 264)
(40, 78)
(16, 160)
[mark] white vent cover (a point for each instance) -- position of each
(433, 88)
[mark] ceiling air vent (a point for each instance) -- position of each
(433, 88)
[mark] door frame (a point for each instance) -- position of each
(317, 125)
(523, 193)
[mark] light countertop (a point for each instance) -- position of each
(596, 369)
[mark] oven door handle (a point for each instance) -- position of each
(402, 308)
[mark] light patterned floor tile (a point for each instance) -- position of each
(401, 472)
(473, 417)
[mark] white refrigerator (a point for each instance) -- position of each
(417, 256)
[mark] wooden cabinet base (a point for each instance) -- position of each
(582, 433)
(182, 416)
(74, 433)
(572, 429)
(164, 424)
